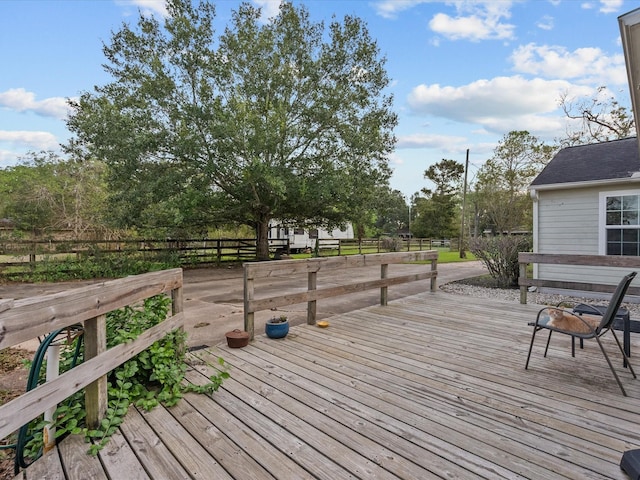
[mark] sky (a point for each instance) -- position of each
(463, 73)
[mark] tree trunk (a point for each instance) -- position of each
(262, 239)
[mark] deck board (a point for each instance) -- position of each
(430, 386)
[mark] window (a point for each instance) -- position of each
(622, 227)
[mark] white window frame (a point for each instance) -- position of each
(602, 221)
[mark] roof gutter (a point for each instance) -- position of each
(635, 178)
(630, 34)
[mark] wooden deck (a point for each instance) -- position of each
(431, 386)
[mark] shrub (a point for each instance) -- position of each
(500, 255)
(391, 244)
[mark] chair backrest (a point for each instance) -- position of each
(614, 304)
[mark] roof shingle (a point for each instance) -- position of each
(616, 159)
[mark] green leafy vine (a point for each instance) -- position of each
(154, 376)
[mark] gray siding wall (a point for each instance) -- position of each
(569, 223)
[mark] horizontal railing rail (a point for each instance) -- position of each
(526, 258)
(261, 270)
(26, 319)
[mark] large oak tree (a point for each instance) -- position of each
(284, 120)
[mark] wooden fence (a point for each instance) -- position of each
(524, 259)
(20, 257)
(28, 254)
(261, 270)
(23, 320)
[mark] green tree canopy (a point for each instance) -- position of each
(437, 210)
(45, 192)
(501, 186)
(284, 120)
(392, 212)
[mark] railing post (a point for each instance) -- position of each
(384, 270)
(177, 301)
(523, 288)
(248, 296)
(434, 268)
(53, 371)
(311, 305)
(95, 394)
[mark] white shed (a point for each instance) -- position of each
(587, 202)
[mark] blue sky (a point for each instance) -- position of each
(464, 73)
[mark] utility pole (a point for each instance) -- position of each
(463, 254)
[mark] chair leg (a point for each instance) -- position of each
(626, 358)
(546, 349)
(533, 336)
(611, 366)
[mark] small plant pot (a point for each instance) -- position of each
(276, 329)
(237, 338)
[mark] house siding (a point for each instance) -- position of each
(569, 223)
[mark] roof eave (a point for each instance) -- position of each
(635, 178)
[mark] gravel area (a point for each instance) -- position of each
(513, 295)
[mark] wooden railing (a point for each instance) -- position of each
(524, 259)
(255, 271)
(23, 320)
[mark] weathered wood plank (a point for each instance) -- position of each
(411, 374)
(588, 260)
(328, 292)
(232, 457)
(152, 453)
(118, 459)
(292, 267)
(47, 467)
(268, 422)
(355, 427)
(78, 464)
(6, 304)
(250, 441)
(36, 316)
(193, 457)
(28, 406)
(409, 411)
(95, 343)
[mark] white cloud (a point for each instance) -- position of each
(20, 100)
(606, 6)
(29, 140)
(497, 105)
(586, 65)
(610, 6)
(545, 23)
(390, 8)
(475, 21)
(270, 8)
(147, 7)
(425, 140)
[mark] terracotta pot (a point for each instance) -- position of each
(237, 338)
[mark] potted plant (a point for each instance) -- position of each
(277, 327)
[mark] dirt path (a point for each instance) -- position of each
(214, 296)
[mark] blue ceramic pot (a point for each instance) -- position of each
(276, 330)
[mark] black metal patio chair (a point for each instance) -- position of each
(587, 329)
